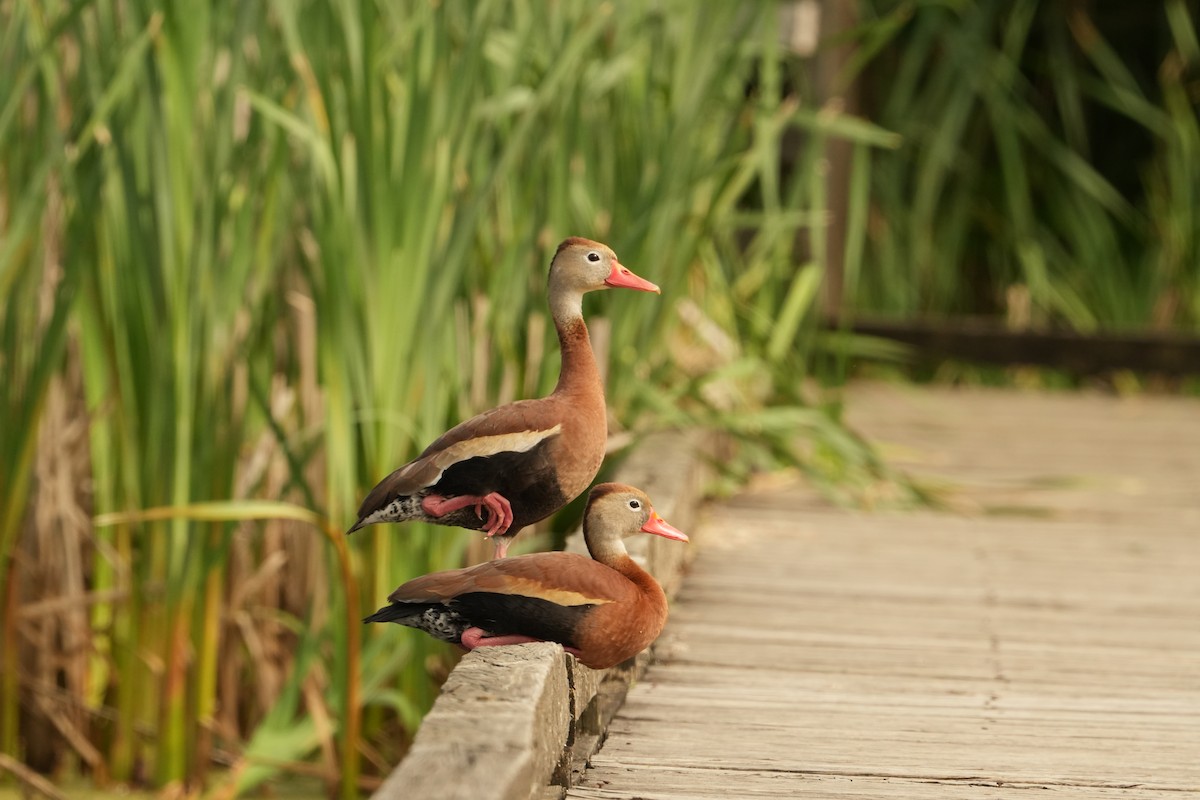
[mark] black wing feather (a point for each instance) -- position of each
(501, 614)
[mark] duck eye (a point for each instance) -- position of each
(634, 504)
(593, 256)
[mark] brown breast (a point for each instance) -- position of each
(618, 631)
(579, 404)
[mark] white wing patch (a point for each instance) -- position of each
(563, 597)
(480, 447)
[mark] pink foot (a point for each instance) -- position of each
(477, 637)
(500, 515)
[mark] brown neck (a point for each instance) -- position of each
(649, 587)
(614, 555)
(579, 373)
(610, 551)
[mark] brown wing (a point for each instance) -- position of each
(523, 415)
(513, 428)
(567, 579)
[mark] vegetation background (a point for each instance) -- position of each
(253, 256)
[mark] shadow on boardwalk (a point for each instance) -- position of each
(1048, 637)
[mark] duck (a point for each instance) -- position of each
(603, 610)
(519, 463)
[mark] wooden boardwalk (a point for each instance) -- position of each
(1046, 636)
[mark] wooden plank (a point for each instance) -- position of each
(819, 652)
(681, 783)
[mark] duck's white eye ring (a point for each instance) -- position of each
(634, 504)
(593, 256)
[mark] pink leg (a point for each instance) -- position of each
(499, 518)
(501, 543)
(477, 637)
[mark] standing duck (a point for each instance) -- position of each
(604, 609)
(521, 462)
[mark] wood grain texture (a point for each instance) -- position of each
(1045, 636)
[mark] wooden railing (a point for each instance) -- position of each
(513, 723)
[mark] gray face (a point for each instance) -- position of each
(622, 513)
(582, 267)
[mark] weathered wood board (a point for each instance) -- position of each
(1046, 635)
(511, 720)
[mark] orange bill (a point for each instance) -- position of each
(621, 277)
(660, 527)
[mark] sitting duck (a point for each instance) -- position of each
(604, 609)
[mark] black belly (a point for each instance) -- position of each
(501, 614)
(527, 480)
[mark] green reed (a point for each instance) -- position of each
(1047, 174)
(283, 245)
